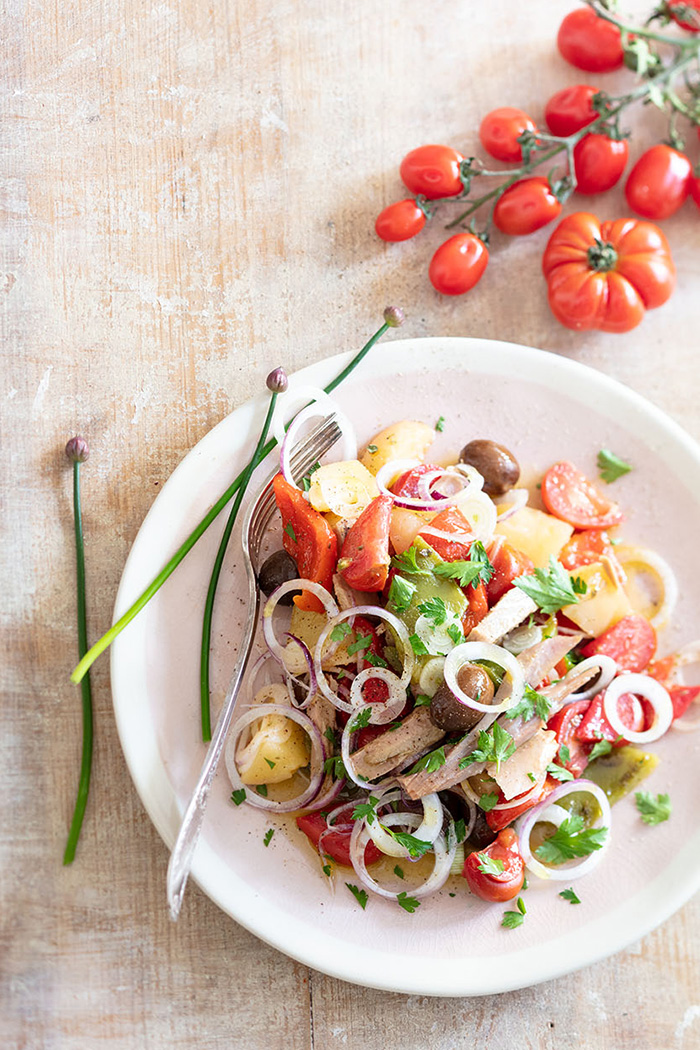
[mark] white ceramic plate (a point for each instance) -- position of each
(545, 408)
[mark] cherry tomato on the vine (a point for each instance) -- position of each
(499, 132)
(589, 42)
(400, 221)
(695, 189)
(599, 161)
(686, 14)
(458, 264)
(432, 171)
(570, 109)
(606, 275)
(509, 874)
(659, 182)
(526, 206)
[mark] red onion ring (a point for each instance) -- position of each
(443, 858)
(319, 409)
(310, 686)
(467, 652)
(392, 470)
(514, 500)
(524, 826)
(300, 584)
(651, 690)
(608, 670)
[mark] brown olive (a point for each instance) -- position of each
(496, 464)
(447, 712)
(276, 570)
(481, 834)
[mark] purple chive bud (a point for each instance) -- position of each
(77, 450)
(394, 316)
(277, 381)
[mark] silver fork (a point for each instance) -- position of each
(256, 521)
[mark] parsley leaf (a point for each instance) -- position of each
(423, 700)
(435, 610)
(532, 703)
(496, 745)
(366, 809)
(512, 919)
(334, 765)
(362, 720)
(340, 631)
(601, 747)
(488, 801)
(478, 569)
(440, 425)
(399, 872)
(400, 593)
(375, 661)
(610, 466)
(460, 830)
(238, 796)
(570, 896)
(559, 772)
(564, 754)
(571, 840)
(289, 529)
(362, 642)
(416, 847)
(553, 589)
(306, 481)
(456, 633)
(270, 763)
(262, 790)
(268, 835)
(330, 735)
(372, 449)
(489, 865)
(478, 556)
(359, 895)
(408, 561)
(653, 810)
(417, 645)
(327, 870)
(408, 904)
(430, 762)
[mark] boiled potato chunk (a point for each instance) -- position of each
(408, 439)
(405, 525)
(278, 746)
(307, 626)
(541, 536)
(604, 602)
(344, 488)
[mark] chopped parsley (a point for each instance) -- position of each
(460, 830)
(372, 449)
(408, 561)
(431, 762)
(512, 919)
(366, 810)
(306, 480)
(363, 641)
(268, 835)
(552, 589)
(489, 865)
(330, 735)
(559, 772)
(532, 703)
(478, 569)
(564, 754)
(238, 796)
(359, 895)
(434, 609)
(362, 720)
(408, 904)
(327, 869)
(440, 425)
(416, 847)
(496, 745)
(423, 700)
(601, 747)
(456, 633)
(399, 872)
(334, 765)
(289, 529)
(418, 646)
(400, 593)
(270, 763)
(610, 466)
(488, 801)
(570, 896)
(262, 790)
(375, 661)
(653, 810)
(340, 631)
(571, 839)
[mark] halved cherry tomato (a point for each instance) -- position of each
(569, 495)
(451, 520)
(497, 819)
(526, 206)
(507, 883)
(682, 696)
(659, 182)
(631, 642)
(432, 171)
(565, 724)
(595, 726)
(508, 564)
(571, 109)
(364, 557)
(477, 607)
(309, 539)
(400, 221)
(606, 275)
(458, 264)
(599, 161)
(500, 130)
(686, 13)
(589, 42)
(336, 844)
(407, 484)
(586, 548)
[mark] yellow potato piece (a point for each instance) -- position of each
(278, 747)
(536, 534)
(307, 626)
(604, 602)
(407, 439)
(405, 526)
(344, 488)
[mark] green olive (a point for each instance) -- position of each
(496, 464)
(276, 570)
(448, 712)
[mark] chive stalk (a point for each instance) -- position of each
(77, 451)
(393, 318)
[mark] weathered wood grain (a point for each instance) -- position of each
(188, 193)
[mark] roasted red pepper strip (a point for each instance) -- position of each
(309, 539)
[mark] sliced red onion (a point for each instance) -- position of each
(438, 877)
(687, 656)
(310, 686)
(392, 470)
(467, 652)
(551, 813)
(324, 409)
(382, 711)
(608, 670)
(346, 735)
(325, 797)
(522, 638)
(480, 511)
(316, 758)
(251, 678)
(294, 399)
(428, 829)
(320, 592)
(428, 484)
(651, 690)
(452, 537)
(512, 501)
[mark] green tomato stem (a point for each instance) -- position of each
(86, 689)
(168, 569)
(648, 34)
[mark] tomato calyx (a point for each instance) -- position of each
(602, 256)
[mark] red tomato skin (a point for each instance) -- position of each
(314, 545)
(659, 182)
(589, 42)
(504, 886)
(407, 484)
(458, 264)
(599, 162)
(364, 557)
(586, 548)
(694, 188)
(526, 206)
(449, 520)
(693, 26)
(565, 724)
(508, 564)
(500, 129)
(477, 607)
(400, 221)
(595, 726)
(682, 696)
(631, 642)
(497, 819)
(569, 495)
(336, 843)
(571, 109)
(432, 171)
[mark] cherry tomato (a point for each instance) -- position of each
(659, 182)
(508, 564)
(364, 557)
(507, 883)
(686, 13)
(682, 696)
(565, 724)
(500, 130)
(374, 691)
(336, 844)
(595, 726)
(497, 819)
(400, 221)
(477, 607)
(407, 484)
(450, 521)
(309, 539)
(586, 548)
(599, 161)
(631, 642)
(458, 264)
(526, 206)
(570, 109)
(569, 495)
(606, 275)
(432, 171)
(589, 42)
(694, 187)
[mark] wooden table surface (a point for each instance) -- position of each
(188, 196)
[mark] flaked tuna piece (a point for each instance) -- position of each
(323, 714)
(415, 735)
(507, 614)
(531, 759)
(346, 596)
